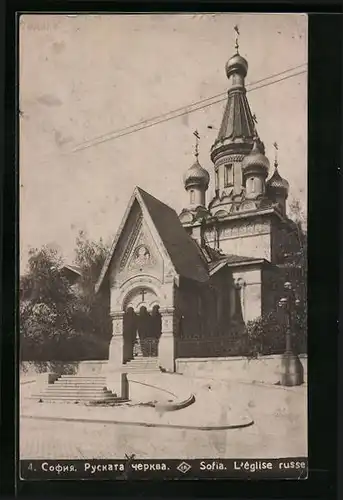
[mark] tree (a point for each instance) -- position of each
(60, 322)
(92, 316)
(47, 305)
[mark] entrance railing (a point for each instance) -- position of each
(146, 347)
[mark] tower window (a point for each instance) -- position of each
(192, 196)
(228, 175)
(253, 185)
(217, 179)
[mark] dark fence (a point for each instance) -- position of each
(211, 347)
(233, 346)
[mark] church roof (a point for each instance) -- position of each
(184, 254)
(196, 175)
(72, 273)
(237, 129)
(238, 122)
(73, 269)
(232, 260)
(186, 258)
(211, 254)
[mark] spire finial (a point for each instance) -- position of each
(276, 147)
(254, 119)
(197, 138)
(237, 35)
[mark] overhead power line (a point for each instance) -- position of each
(117, 131)
(184, 110)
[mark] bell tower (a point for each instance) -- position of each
(235, 138)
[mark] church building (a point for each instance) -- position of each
(184, 285)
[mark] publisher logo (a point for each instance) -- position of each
(183, 467)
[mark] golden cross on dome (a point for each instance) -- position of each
(197, 138)
(254, 119)
(237, 35)
(276, 147)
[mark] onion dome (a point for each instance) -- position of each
(236, 64)
(276, 184)
(256, 162)
(196, 175)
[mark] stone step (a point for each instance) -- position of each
(143, 362)
(61, 390)
(79, 377)
(73, 390)
(140, 368)
(74, 399)
(141, 365)
(71, 393)
(76, 384)
(144, 358)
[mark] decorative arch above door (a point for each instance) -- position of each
(140, 296)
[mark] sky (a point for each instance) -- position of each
(84, 76)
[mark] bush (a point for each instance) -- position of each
(267, 335)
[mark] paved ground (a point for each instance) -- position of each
(280, 429)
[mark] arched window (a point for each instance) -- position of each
(253, 185)
(228, 175)
(217, 180)
(238, 300)
(240, 287)
(192, 196)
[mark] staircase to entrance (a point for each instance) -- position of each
(75, 388)
(141, 364)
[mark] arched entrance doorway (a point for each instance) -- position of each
(142, 325)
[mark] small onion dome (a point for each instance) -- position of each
(277, 184)
(256, 161)
(236, 64)
(196, 175)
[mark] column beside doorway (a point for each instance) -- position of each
(115, 356)
(166, 347)
(116, 351)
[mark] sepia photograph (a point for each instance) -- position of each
(163, 245)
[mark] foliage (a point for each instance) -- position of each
(46, 307)
(266, 335)
(59, 321)
(93, 308)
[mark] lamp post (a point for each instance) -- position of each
(292, 371)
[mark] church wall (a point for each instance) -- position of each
(257, 246)
(246, 237)
(251, 291)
